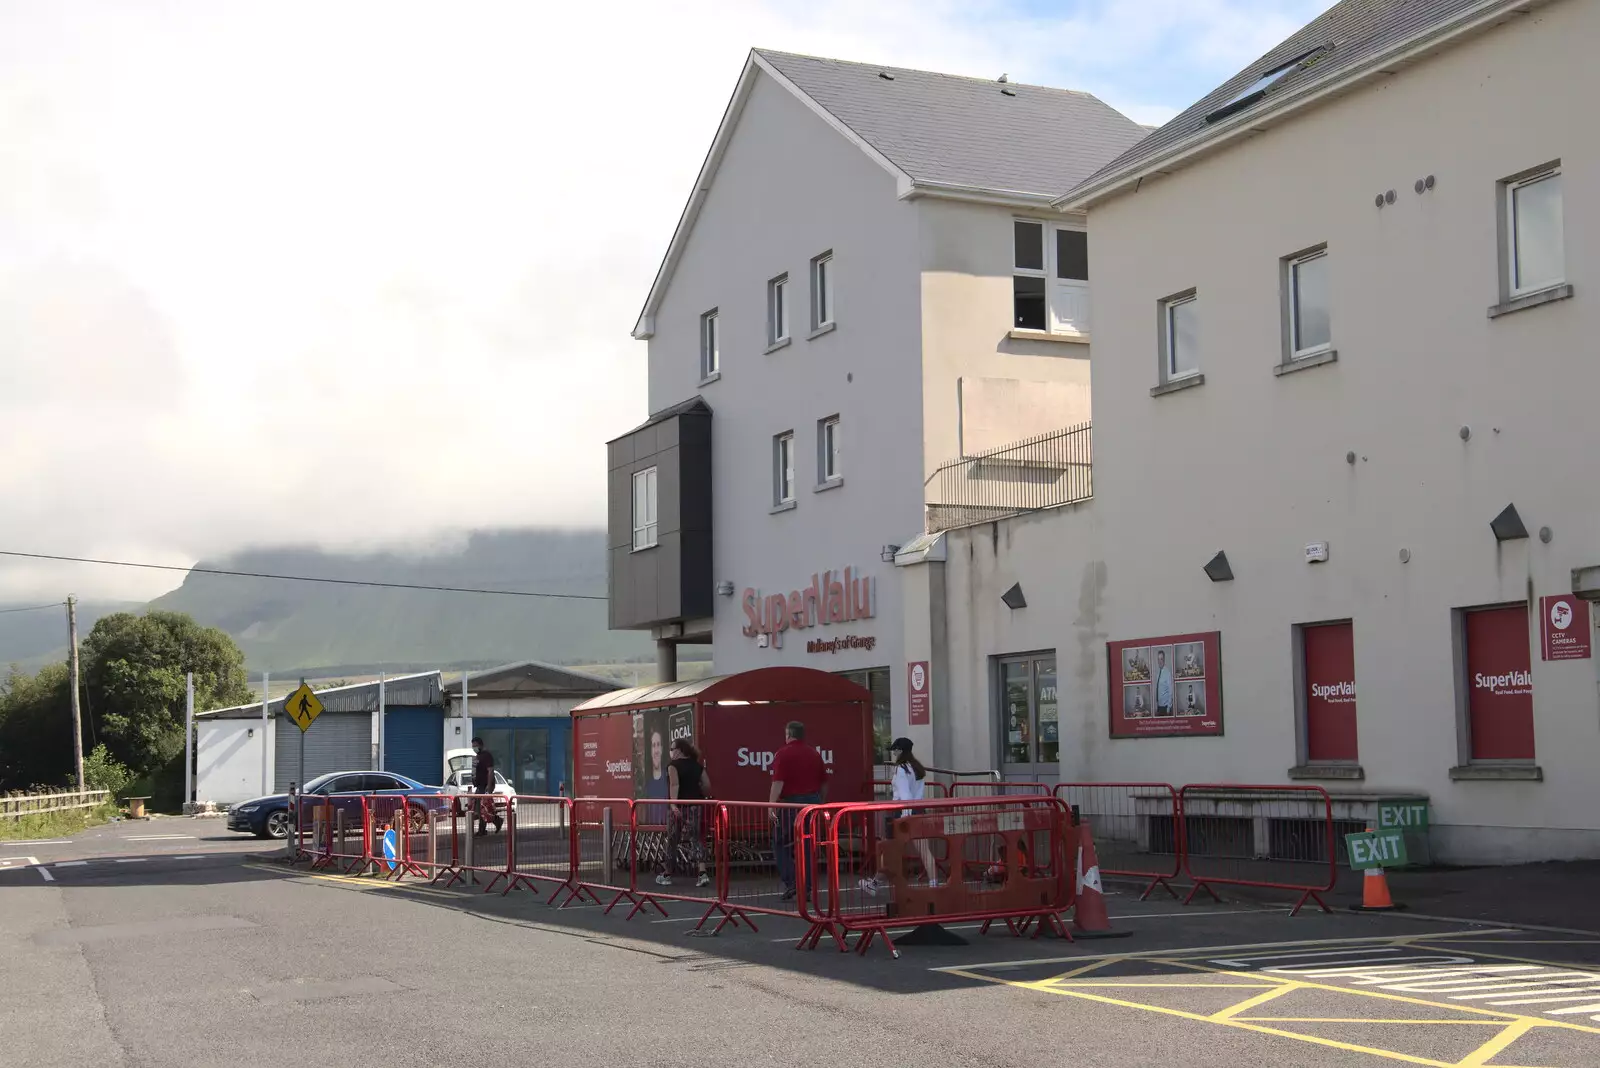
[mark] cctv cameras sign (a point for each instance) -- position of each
(1565, 624)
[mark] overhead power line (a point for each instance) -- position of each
(299, 578)
(32, 608)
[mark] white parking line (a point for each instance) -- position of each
(195, 856)
(25, 862)
(71, 863)
(157, 837)
(46, 873)
(132, 860)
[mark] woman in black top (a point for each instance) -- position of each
(687, 781)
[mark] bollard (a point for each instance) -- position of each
(291, 842)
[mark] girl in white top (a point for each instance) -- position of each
(906, 784)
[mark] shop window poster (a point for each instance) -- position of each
(1162, 687)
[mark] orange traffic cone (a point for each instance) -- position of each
(1089, 918)
(1375, 892)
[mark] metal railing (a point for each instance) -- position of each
(1044, 471)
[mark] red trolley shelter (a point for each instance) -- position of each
(621, 740)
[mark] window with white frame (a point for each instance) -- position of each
(1049, 277)
(1310, 326)
(1180, 336)
(1534, 253)
(710, 344)
(778, 310)
(822, 291)
(783, 468)
(828, 450)
(644, 509)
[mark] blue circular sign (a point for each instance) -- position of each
(391, 846)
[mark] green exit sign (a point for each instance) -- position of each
(1405, 815)
(1376, 849)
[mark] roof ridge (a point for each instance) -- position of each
(920, 70)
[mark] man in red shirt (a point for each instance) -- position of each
(799, 777)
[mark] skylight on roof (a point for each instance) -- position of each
(1258, 89)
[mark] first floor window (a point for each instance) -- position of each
(1049, 277)
(778, 310)
(1028, 708)
(1329, 695)
(783, 468)
(1310, 322)
(828, 449)
(822, 291)
(1535, 252)
(1180, 340)
(1499, 682)
(710, 345)
(644, 508)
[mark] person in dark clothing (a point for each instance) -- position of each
(483, 783)
(687, 781)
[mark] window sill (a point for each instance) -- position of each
(1178, 384)
(646, 548)
(832, 483)
(825, 328)
(1350, 772)
(710, 378)
(1305, 363)
(786, 506)
(781, 343)
(1497, 773)
(1059, 337)
(1532, 300)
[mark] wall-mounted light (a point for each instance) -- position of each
(886, 554)
(1508, 526)
(250, 732)
(1218, 570)
(1013, 597)
(725, 589)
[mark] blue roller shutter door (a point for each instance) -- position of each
(413, 743)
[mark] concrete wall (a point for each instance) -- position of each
(1255, 464)
(966, 255)
(228, 760)
(790, 188)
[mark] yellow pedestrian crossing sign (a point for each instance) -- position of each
(303, 707)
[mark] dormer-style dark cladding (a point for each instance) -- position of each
(670, 580)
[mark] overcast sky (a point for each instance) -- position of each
(364, 274)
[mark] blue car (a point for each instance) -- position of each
(269, 817)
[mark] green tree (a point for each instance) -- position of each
(35, 728)
(133, 679)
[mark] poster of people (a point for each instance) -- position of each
(1166, 686)
(654, 730)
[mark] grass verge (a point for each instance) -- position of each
(54, 824)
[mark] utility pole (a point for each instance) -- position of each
(72, 671)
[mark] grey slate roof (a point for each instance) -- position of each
(1358, 30)
(946, 130)
(533, 678)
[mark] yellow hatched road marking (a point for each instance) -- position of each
(1483, 1053)
(1231, 1011)
(1368, 992)
(1363, 1020)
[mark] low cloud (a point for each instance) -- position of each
(355, 275)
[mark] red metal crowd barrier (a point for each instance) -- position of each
(883, 790)
(1138, 829)
(1274, 837)
(997, 788)
(602, 856)
(982, 859)
(539, 843)
(344, 815)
